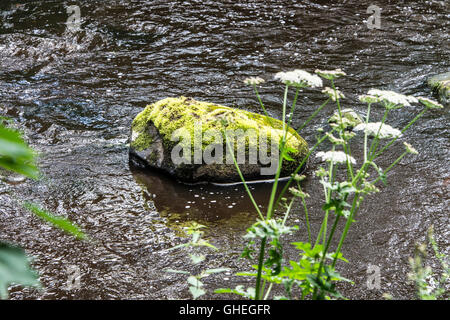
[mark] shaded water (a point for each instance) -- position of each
(75, 96)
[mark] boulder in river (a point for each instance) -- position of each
(441, 85)
(188, 139)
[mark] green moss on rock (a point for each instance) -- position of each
(156, 124)
(441, 85)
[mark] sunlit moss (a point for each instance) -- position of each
(170, 114)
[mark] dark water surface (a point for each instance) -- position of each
(75, 95)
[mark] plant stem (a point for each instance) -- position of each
(242, 177)
(280, 160)
(347, 226)
(313, 115)
(258, 292)
(403, 130)
(260, 101)
(325, 250)
(365, 132)
(307, 219)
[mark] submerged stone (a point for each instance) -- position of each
(188, 139)
(441, 85)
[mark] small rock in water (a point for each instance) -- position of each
(441, 85)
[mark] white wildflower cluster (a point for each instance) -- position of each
(335, 156)
(368, 98)
(253, 81)
(299, 78)
(392, 98)
(383, 130)
(330, 92)
(430, 103)
(330, 74)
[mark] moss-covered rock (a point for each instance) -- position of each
(156, 138)
(441, 85)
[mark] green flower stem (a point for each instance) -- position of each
(327, 198)
(288, 210)
(376, 140)
(365, 133)
(324, 253)
(280, 160)
(268, 291)
(313, 115)
(300, 166)
(308, 227)
(260, 101)
(258, 292)
(347, 226)
(346, 148)
(242, 177)
(403, 130)
(284, 107)
(293, 108)
(391, 166)
(366, 163)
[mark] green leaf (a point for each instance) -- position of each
(176, 271)
(194, 281)
(196, 292)
(15, 155)
(60, 222)
(197, 258)
(239, 290)
(287, 157)
(15, 269)
(217, 270)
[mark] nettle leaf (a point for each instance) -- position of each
(239, 290)
(60, 222)
(15, 269)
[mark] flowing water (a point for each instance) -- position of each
(75, 94)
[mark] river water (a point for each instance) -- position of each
(75, 94)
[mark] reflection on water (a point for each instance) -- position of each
(200, 202)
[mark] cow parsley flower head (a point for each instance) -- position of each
(409, 148)
(430, 103)
(384, 130)
(335, 157)
(253, 81)
(299, 78)
(392, 99)
(330, 74)
(368, 98)
(330, 92)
